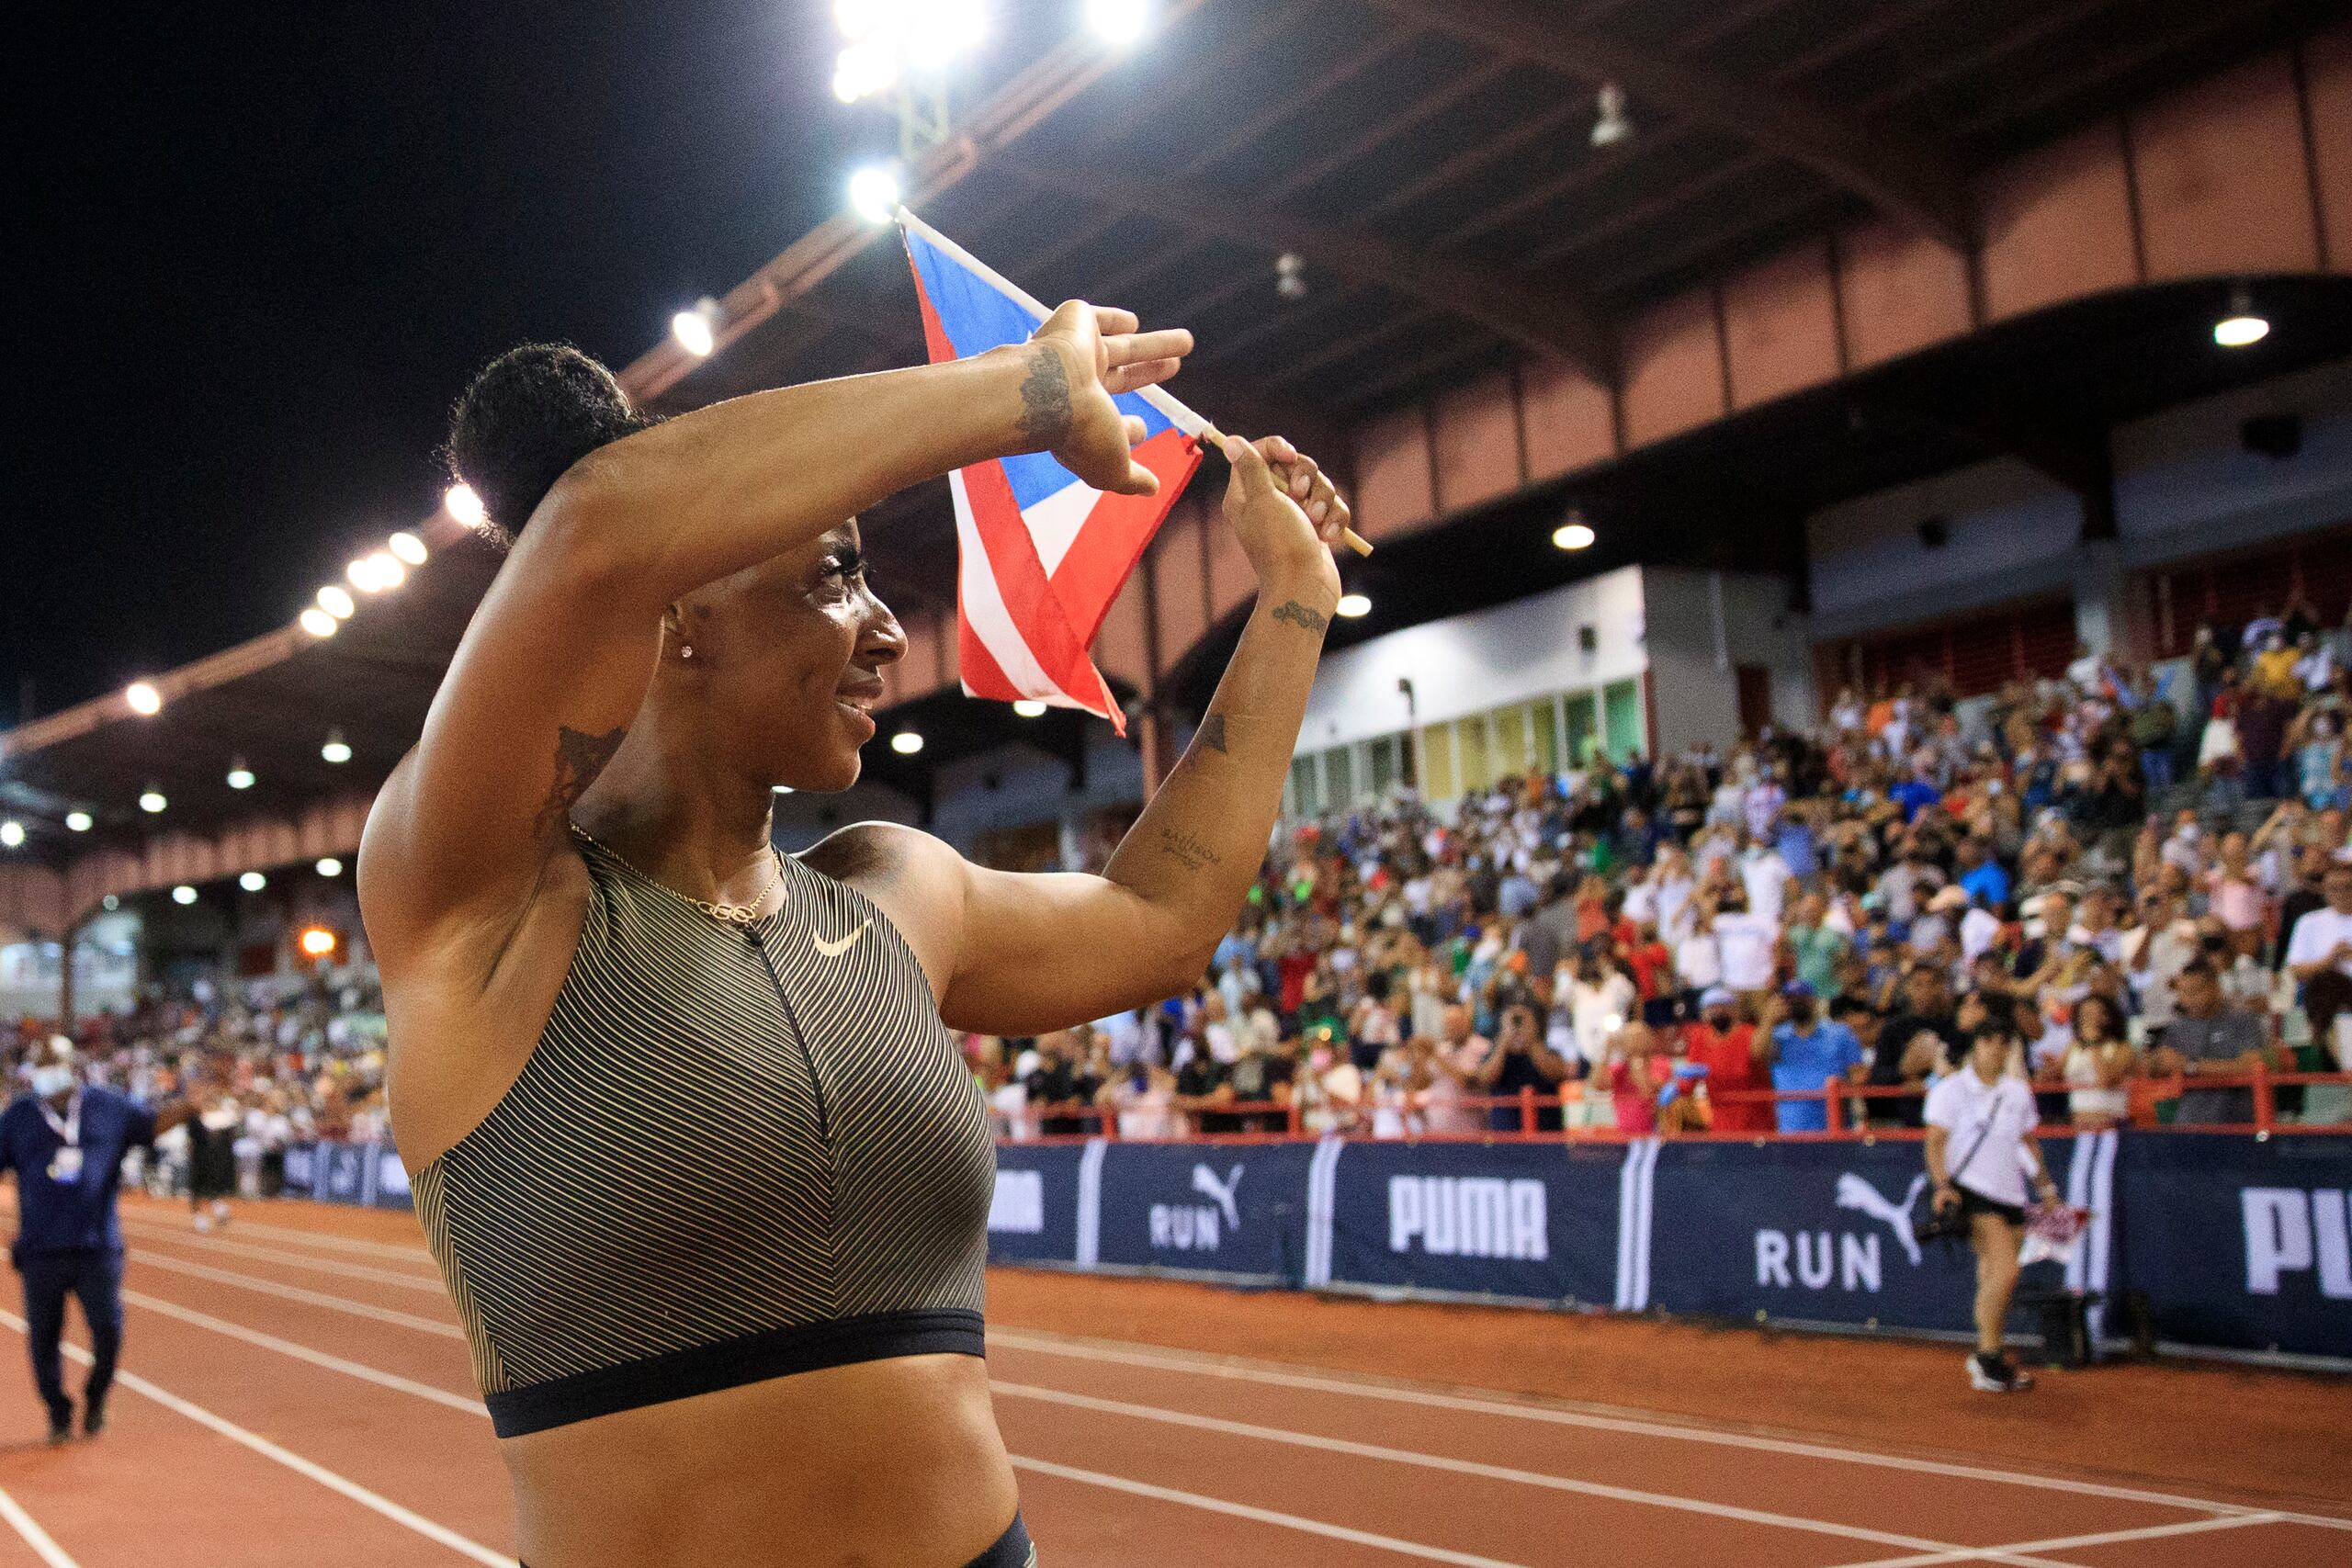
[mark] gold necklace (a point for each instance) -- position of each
(734, 914)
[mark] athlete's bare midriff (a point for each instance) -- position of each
(896, 1462)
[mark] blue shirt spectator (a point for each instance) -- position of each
(1809, 1053)
(1914, 796)
(65, 1192)
(1986, 885)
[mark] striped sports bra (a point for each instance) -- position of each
(737, 1152)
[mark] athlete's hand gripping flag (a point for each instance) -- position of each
(1041, 553)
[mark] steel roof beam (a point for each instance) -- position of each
(1916, 185)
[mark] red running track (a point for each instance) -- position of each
(297, 1391)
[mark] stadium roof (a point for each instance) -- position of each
(1433, 162)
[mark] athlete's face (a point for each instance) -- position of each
(788, 661)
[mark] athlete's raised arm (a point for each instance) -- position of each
(616, 519)
(1034, 953)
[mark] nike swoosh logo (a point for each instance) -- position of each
(835, 948)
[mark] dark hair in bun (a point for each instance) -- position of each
(532, 413)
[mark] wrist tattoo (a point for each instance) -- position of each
(1187, 851)
(1301, 616)
(1211, 733)
(1045, 399)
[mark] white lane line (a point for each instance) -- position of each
(1238, 1369)
(304, 1353)
(154, 1235)
(24, 1524)
(1502, 1472)
(400, 1251)
(1260, 1515)
(440, 1534)
(2060, 1543)
(143, 1260)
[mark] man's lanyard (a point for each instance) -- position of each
(68, 1127)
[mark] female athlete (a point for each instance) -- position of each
(705, 1179)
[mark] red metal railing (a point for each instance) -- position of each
(1584, 1115)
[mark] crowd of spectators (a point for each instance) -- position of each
(2146, 868)
(273, 1060)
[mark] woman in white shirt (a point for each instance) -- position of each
(2098, 1059)
(1980, 1146)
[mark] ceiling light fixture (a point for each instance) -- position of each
(1575, 533)
(1612, 126)
(1029, 708)
(143, 698)
(1354, 607)
(697, 330)
(462, 503)
(253, 882)
(336, 750)
(79, 822)
(329, 866)
(151, 801)
(183, 893)
(318, 623)
(2240, 327)
(906, 743)
(240, 775)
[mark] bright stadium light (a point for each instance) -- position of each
(336, 750)
(143, 698)
(329, 866)
(363, 575)
(318, 623)
(1030, 707)
(317, 941)
(1354, 607)
(151, 801)
(253, 882)
(1574, 534)
(407, 547)
(12, 834)
(906, 743)
(240, 775)
(697, 330)
(383, 571)
(874, 193)
(867, 67)
(183, 893)
(1119, 22)
(337, 602)
(461, 501)
(781, 789)
(79, 822)
(937, 31)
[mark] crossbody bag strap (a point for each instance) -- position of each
(1983, 1131)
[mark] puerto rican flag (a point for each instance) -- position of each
(1041, 553)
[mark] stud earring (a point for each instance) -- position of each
(686, 650)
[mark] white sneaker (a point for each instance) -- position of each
(204, 1224)
(1996, 1374)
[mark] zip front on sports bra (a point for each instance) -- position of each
(801, 1038)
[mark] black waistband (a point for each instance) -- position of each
(1013, 1549)
(705, 1369)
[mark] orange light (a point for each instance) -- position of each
(318, 941)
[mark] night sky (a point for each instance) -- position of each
(261, 247)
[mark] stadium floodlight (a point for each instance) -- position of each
(1574, 534)
(868, 67)
(383, 571)
(336, 601)
(1119, 22)
(240, 775)
(461, 501)
(1030, 707)
(318, 623)
(361, 574)
(874, 193)
(906, 743)
(781, 789)
(329, 866)
(317, 941)
(2240, 327)
(253, 882)
(336, 750)
(697, 330)
(12, 834)
(1354, 607)
(936, 31)
(79, 822)
(183, 893)
(143, 698)
(406, 547)
(1611, 126)
(151, 801)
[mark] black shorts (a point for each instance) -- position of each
(1971, 1203)
(1013, 1549)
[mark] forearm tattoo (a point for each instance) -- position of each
(579, 758)
(1301, 616)
(1045, 399)
(1187, 851)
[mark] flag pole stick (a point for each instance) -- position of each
(1177, 412)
